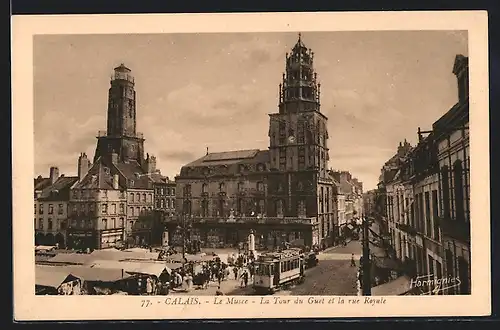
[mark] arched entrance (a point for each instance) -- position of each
(39, 239)
(60, 240)
(49, 239)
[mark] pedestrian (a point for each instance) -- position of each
(235, 271)
(149, 287)
(244, 279)
(353, 262)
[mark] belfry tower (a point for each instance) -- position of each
(121, 137)
(298, 135)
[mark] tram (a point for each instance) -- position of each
(275, 270)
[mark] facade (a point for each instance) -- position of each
(112, 202)
(427, 196)
(351, 201)
(51, 208)
(369, 199)
(453, 154)
(284, 193)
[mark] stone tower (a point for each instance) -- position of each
(121, 136)
(299, 181)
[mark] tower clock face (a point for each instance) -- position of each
(291, 139)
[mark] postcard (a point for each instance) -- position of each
(248, 166)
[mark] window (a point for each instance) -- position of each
(241, 186)
(204, 208)
(150, 198)
(131, 211)
(51, 209)
(172, 203)
(240, 207)
(104, 224)
(61, 209)
(187, 190)
(222, 187)
(35, 208)
(130, 225)
(121, 222)
(260, 186)
(173, 191)
(162, 203)
(131, 199)
(144, 198)
(204, 188)
(428, 224)
(137, 211)
(122, 208)
(458, 186)
(435, 215)
(279, 208)
(104, 208)
(137, 198)
(113, 208)
(49, 224)
(40, 223)
(445, 184)
(301, 208)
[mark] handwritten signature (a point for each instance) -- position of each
(433, 284)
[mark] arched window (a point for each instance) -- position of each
(458, 186)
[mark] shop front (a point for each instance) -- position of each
(82, 239)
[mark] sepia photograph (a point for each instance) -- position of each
(281, 167)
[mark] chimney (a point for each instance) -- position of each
(54, 174)
(115, 182)
(114, 157)
(83, 166)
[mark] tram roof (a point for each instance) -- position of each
(288, 253)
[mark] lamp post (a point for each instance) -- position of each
(367, 281)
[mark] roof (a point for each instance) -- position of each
(85, 273)
(96, 177)
(41, 183)
(51, 277)
(130, 171)
(131, 267)
(232, 157)
(71, 258)
(117, 255)
(59, 191)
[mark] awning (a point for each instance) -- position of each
(146, 268)
(397, 287)
(51, 276)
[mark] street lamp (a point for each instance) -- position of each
(366, 264)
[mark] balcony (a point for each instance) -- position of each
(406, 228)
(247, 220)
(459, 230)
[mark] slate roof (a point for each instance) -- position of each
(232, 157)
(130, 170)
(59, 191)
(41, 183)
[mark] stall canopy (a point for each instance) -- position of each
(71, 258)
(86, 273)
(52, 277)
(117, 255)
(397, 287)
(44, 248)
(155, 269)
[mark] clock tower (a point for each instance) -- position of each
(121, 137)
(299, 183)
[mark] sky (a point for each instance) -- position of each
(216, 90)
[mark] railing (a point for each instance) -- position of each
(406, 228)
(256, 220)
(459, 230)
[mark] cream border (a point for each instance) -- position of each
(29, 307)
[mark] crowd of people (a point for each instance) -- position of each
(198, 275)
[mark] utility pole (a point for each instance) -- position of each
(367, 280)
